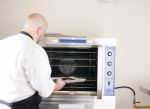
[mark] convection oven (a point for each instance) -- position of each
(88, 67)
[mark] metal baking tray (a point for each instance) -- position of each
(71, 79)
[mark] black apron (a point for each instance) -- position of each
(29, 103)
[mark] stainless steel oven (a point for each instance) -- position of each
(88, 66)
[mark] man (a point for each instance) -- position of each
(24, 67)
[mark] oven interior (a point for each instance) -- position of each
(74, 62)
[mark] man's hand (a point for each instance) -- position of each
(59, 84)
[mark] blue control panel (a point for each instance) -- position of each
(81, 41)
(109, 76)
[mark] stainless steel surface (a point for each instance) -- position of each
(47, 105)
(75, 93)
(108, 102)
(63, 99)
(82, 63)
(100, 75)
(69, 102)
(70, 79)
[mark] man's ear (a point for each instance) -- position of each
(39, 31)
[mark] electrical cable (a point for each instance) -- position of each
(133, 91)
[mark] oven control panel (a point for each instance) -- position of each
(109, 71)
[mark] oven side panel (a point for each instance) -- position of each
(109, 71)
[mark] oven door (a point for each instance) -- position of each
(78, 66)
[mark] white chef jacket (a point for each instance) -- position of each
(24, 69)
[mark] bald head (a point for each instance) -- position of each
(36, 25)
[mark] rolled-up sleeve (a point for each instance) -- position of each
(39, 72)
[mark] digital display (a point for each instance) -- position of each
(72, 41)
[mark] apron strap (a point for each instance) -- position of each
(5, 103)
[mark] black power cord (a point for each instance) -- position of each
(133, 91)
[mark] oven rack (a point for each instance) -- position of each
(72, 66)
(83, 59)
(70, 52)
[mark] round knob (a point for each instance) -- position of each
(109, 63)
(109, 53)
